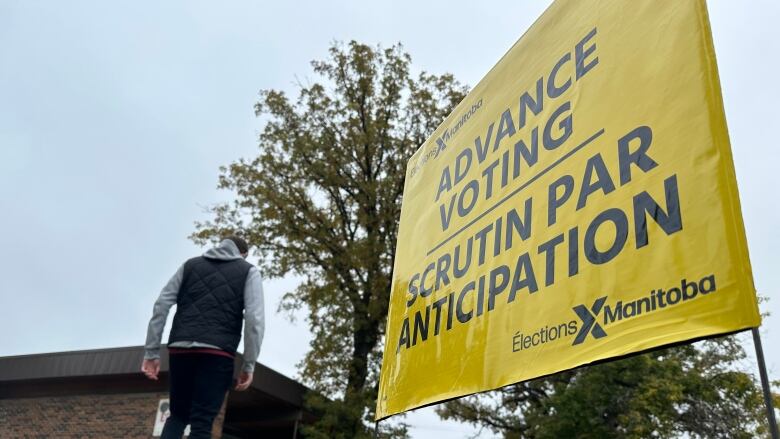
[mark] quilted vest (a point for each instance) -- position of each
(210, 303)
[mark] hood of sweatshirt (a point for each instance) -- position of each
(225, 251)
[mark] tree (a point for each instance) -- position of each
(322, 200)
(689, 390)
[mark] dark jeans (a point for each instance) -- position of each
(198, 386)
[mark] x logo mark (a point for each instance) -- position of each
(588, 317)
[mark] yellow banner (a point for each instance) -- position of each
(579, 204)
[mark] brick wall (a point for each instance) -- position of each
(126, 416)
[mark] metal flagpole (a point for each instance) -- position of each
(770, 409)
(376, 430)
(297, 420)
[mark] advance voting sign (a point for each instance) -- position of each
(580, 204)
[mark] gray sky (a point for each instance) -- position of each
(115, 116)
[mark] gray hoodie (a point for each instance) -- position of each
(254, 313)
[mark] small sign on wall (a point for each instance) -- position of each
(163, 412)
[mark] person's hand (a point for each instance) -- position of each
(244, 380)
(151, 368)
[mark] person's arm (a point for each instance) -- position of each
(254, 319)
(162, 306)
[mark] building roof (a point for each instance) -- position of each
(271, 406)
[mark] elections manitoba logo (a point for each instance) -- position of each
(441, 141)
(600, 314)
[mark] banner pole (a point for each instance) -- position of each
(376, 430)
(770, 410)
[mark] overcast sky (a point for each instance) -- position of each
(115, 116)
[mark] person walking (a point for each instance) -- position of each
(213, 293)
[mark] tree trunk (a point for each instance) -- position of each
(364, 341)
